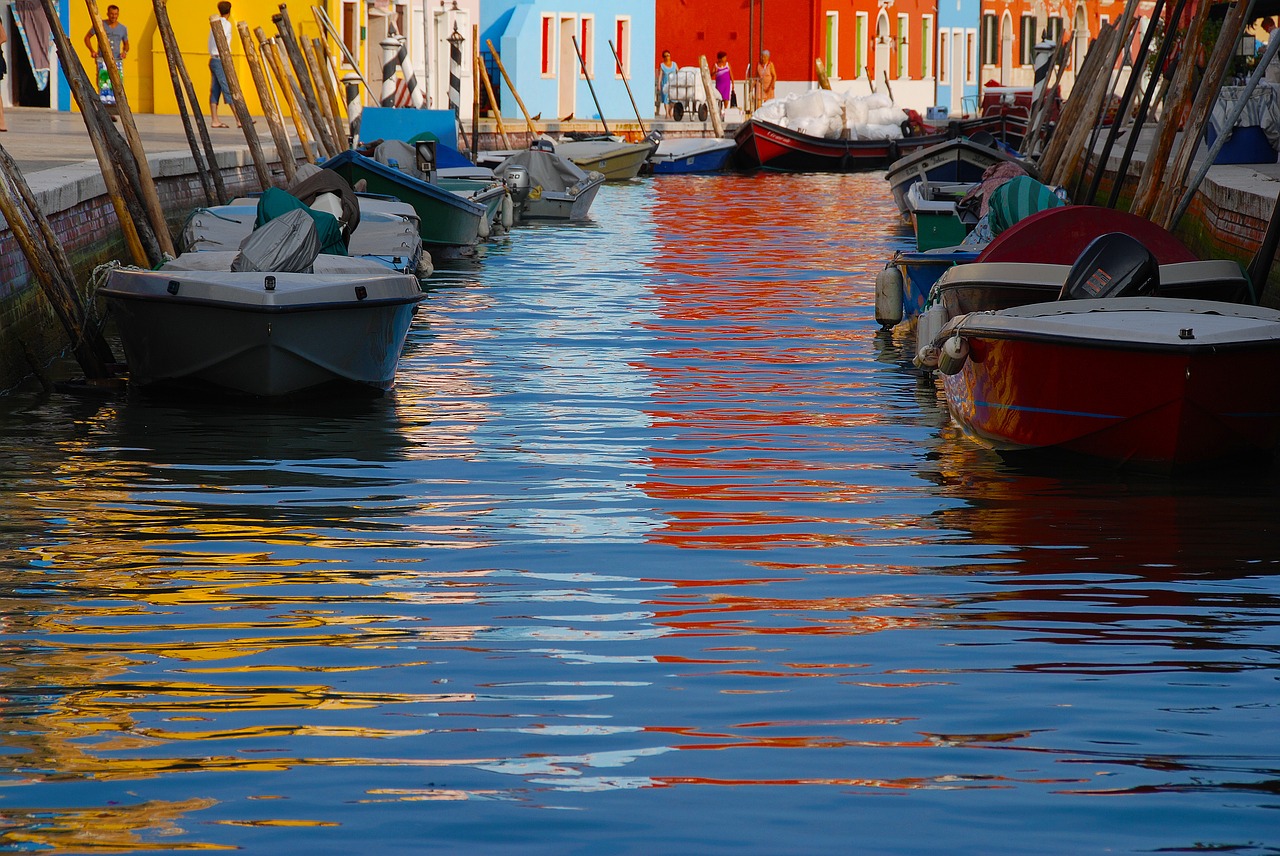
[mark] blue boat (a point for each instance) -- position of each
(691, 155)
(920, 270)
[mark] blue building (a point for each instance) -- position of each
(535, 40)
(957, 55)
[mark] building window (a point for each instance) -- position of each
(971, 56)
(622, 36)
(990, 40)
(1027, 55)
(926, 47)
(586, 44)
(548, 46)
(944, 59)
(860, 45)
(351, 27)
(833, 43)
(904, 26)
(1054, 30)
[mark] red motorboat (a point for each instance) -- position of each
(1113, 370)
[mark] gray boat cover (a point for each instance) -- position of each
(221, 260)
(399, 155)
(552, 172)
(288, 243)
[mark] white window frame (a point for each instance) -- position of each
(904, 55)
(549, 35)
(586, 29)
(832, 39)
(928, 54)
(862, 52)
(623, 22)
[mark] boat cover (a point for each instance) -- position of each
(287, 244)
(1018, 198)
(547, 170)
(311, 181)
(220, 260)
(275, 202)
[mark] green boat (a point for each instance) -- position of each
(454, 213)
(934, 215)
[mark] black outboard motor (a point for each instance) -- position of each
(1113, 265)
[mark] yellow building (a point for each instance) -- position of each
(148, 82)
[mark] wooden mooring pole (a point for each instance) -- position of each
(238, 104)
(215, 189)
(275, 122)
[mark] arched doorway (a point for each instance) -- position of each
(1080, 43)
(884, 43)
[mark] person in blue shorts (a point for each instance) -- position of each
(219, 87)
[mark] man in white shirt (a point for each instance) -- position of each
(219, 86)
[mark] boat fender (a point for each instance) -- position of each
(485, 230)
(927, 328)
(508, 214)
(893, 151)
(889, 296)
(425, 267)
(953, 355)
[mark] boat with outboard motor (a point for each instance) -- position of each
(545, 185)
(613, 157)
(691, 155)
(1136, 362)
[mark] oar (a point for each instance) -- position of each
(623, 72)
(583, 62)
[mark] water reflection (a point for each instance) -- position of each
(658, 534)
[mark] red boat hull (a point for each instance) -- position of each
(763, 144)
(1145, 406)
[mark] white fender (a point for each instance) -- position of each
(889, 296)
(954, 354)
(928, 326)
(508, 214)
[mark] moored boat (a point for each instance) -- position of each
(1115, 369)
(206, 321)
(767, 145)
(616, 160)
(450, 223)
(547, 186)
(691, 155)
(962, 160)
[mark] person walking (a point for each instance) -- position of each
(666, 68)
(118, 37)
(724, 81)
(767, 79)
(219, 86)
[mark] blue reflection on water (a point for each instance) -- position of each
(659, 547)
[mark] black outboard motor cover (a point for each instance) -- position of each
(1113, 265)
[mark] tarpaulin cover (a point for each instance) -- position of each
(1018, 198)
(289, 243)
(275, 202)
(546, 170)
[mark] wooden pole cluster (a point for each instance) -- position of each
(146, 183)
(238, 104)
(717, 127)
(51, 269)
(288, 88)
(1031, 144)
(215, 190)
(293, 50)
(1210, 85)
(1125, 107)
(332, 89)
(116, 160)
(1176, 102)
(510, 85)
(1092, 81)
(270, 109)
(1124, 35)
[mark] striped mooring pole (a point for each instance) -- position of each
(1041, 61)
(455, 71)
(355, 105)
(416, 96)
(390, 47)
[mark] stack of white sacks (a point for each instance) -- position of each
(823, 113)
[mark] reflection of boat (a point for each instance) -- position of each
(545, 185)
(960, 161)
(1114, 369)
(198, 322)
(616, 160)
(691, 155)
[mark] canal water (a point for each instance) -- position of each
(660, 547)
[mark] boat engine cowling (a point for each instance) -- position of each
(1113, 265)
